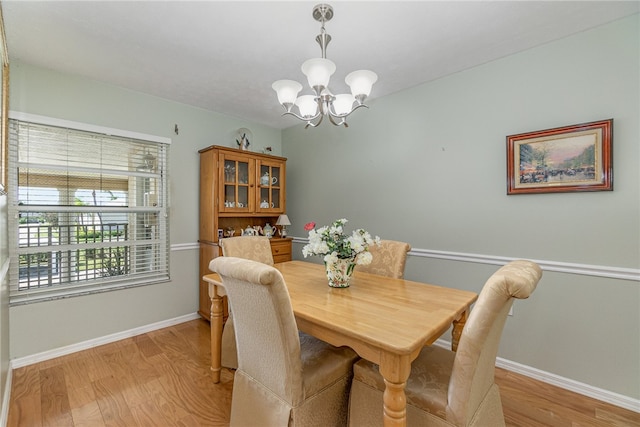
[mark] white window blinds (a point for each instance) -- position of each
(88, 210)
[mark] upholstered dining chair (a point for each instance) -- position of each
(255, 248)
(389, 259)
(282, 379)
(447, 388)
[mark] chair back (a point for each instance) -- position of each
(389, 259)
(255, 248)
(474, 365)
(265, 327)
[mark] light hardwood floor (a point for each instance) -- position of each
(161, 378)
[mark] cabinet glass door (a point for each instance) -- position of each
(237, 183)
(271, 194)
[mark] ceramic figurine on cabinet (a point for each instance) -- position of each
(268, 230)
(243, 138)
(264, 179)
(265, 204)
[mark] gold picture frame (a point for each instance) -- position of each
(560, 160)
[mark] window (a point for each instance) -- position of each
(88, 209)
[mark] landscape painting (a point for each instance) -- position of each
(566, 159)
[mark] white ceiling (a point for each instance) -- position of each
(224, 55)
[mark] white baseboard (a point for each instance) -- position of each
(571, 385)
(62, 351)
(607, 396)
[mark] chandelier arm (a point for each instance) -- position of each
(344, 116)
(310, 122)
(343, 120)
(358, 106)
(299, 117)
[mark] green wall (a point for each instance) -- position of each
(44, 326)
(428, 166)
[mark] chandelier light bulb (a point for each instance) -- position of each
(361, 82)
(318, 71)
(343, 104)
(307, 105)
(287, 91)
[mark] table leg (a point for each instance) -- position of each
(216, 331)
(458, 326)
(395, 370)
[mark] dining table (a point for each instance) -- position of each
(384, 320)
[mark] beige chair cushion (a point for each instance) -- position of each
(282, 380)
(447, 388)
(389, 259)
(427, 385)
(255, 248)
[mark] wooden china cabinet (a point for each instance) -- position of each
(238, 189)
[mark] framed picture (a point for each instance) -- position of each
(560, 160)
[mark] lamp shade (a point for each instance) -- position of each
(343, 103)
(307, 105)
(318, 71)
(287, 91)
(283, 220)
(361, 82)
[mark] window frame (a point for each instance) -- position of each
(19, 295)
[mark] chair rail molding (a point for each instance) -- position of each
(184, 247)
(620, 273)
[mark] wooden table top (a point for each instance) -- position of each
(393, 314)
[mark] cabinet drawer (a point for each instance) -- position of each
(281, 258)
(281, 250)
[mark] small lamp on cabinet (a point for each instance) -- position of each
(283, 221)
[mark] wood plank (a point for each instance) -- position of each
(615, 416)
(114, 407)
(84, 407)
(54, 401)
(148, 415)
(25, 411)
(146, 345)
(161, 378)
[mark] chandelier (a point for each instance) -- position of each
(313, 108)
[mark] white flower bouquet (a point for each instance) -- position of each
(332, 243)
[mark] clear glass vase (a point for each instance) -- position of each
(339, 272)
